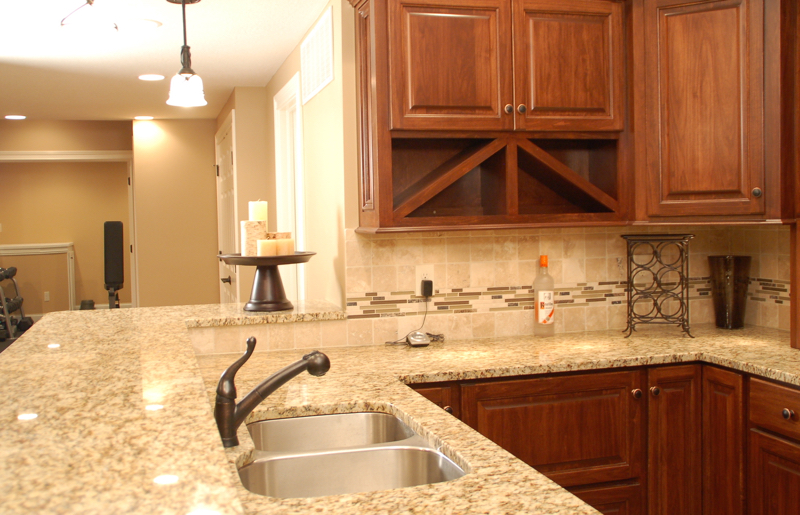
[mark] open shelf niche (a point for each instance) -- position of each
(510, 179)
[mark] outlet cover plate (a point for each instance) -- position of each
(423, 272)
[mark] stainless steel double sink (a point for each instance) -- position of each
(339, 454)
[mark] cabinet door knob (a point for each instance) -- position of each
(508, 109)
(655, 391)
(637, 393)
(226, 279)
(757, 192)
(521, 108)
(448, 409)
(787, 413)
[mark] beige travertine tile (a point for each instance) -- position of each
(526, 320)
(260, 332)
(595, 245)
(574, 247)
(359, 332)
(358, 252)
(618, 316)
(281, 336)
(617, 269)
(434, 250)
(482, 274)
(784, 268)
(769, 242)
(358, 279)
(506, 248)
(574, 319)
(440, 276)
(507, 323)
(702, 311)
(551, 246)
(596, 269)
(527, 271)
(459, 326)
(784, 241)
(384, 278)
(333, 333)
(481, 249)
(231, 339)
(616, 246)
(458, 250)
(458, 276)
(307, 335)
(528, 247)
(751, 313)
(784, 317)
(408, 252)
(406, 278)
(555, 268)
(483, 325)
(202, 339)
(769, 315)
(384, 330)
(573, 271)
(506, 273)
(769, 266)
(596, 317)
(383, 252)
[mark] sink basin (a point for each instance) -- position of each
(347, 471)
(327, 432)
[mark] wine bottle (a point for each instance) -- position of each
(543, 288)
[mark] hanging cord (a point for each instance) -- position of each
(433, 337)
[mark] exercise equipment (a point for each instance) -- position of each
(114, 264)
(11, 325)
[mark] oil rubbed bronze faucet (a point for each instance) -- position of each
(229, 415)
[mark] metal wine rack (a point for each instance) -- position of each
(658, 280)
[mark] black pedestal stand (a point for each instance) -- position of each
(267, 293)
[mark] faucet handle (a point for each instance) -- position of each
(226, 387)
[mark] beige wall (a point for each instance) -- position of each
(56, 202)
(329, 154)
(175, 197)
(38, 274)
(30, 135)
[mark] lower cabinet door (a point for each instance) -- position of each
(616, 499)
(674, 444)
(444, 395)
(774, 486)
(577, 429)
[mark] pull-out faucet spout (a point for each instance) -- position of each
(229, 415)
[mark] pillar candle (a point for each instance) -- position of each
(251, 232)
(285, 246)
(258, 210)
(267, 247)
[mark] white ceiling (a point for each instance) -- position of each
(51, 72)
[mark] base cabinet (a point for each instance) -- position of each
(774, 486)
(613, 499)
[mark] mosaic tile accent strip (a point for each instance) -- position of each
(769, 290)
(497, 298)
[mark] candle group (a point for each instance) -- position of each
(257, 241)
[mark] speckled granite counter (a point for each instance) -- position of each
(218, 315)
(97, 444)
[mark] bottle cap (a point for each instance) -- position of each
(543, 261)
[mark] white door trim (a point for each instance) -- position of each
(287, 102)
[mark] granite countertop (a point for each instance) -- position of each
(97, 444)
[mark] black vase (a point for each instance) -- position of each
(730, 278)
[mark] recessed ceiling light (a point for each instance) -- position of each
(151, 76)
(142, 117)
(15, 117)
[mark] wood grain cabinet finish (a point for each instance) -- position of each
(613, 499)
(576, 429)
(704, 90)
(450, 64)
(463, 65)
(774, 479)
(569, 65)
(674, 444)
(723, 442)
(444, 395)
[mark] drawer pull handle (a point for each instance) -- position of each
(787, 413)
(655, 391)
(448, 409)
(637, 393)
(521, 108)
(509, 109)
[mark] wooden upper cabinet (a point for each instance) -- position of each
(450, 64)
(506, 64)
(704, 94)
(569, 65)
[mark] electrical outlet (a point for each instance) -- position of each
(47, 296)
(423, 272)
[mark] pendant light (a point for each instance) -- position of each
(186, 87)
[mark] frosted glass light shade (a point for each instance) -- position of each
(186, 91)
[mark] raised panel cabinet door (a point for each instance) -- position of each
(613, 499)
(774, 475)
(450, 64)
(443, 395)
(569, 65)
(704, 86)
(674, 457)
(723, 441)
(576, 429)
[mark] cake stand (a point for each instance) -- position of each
(267, 293)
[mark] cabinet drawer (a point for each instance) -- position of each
(767, 404)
